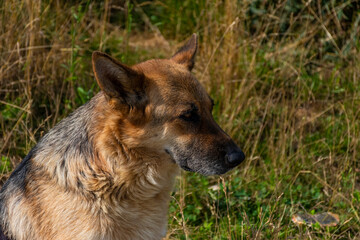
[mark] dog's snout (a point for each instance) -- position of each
(234, 158)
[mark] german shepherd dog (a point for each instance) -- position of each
(107, 170)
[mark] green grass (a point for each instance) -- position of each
(284, 76)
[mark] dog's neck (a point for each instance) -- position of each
(137, 171)
(104, 167)
(94, 163)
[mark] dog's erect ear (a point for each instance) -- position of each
(186, 54)
(118, 80)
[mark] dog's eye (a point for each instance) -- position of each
(190, 116)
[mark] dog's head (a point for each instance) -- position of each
(165, 110)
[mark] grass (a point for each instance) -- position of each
(285, 79)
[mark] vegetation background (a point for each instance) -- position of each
(284, 75)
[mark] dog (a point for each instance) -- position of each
(107, 170)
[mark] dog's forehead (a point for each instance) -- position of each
(171, 79)
(162, 70)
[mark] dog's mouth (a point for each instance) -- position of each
(186, 168)
(183, 166)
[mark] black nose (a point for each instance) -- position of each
(235, 158)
